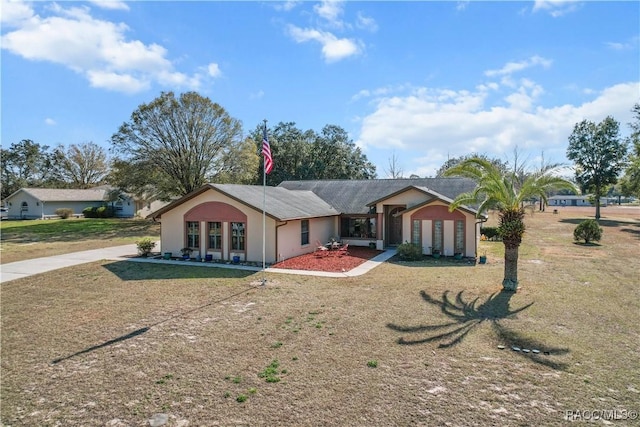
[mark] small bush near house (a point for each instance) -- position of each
(98, 212)
(105, 212)
(64, 213)
(145, 246)
(90, 212)
(588, 230)
(410, 251)
(491, 233)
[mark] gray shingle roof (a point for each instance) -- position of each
(353, 196)
(281, 204)
(67, 195)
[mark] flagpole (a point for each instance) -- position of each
(264, 216)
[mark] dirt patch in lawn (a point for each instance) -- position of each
(330, 261)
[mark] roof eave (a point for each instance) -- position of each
(204, 188)
(158, 214)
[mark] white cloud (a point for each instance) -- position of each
(14, 12)
(110, 4)
(556, 8)
(626, 45)
(322, 30)
(462, 5)
(97, 49)
(214, 70)
(512, 67)
(49, 122)
(366, 23)
(331, 11)
(286, 5)
(115, 81)
(333, 48)
(256, 95)
(617, 46)
(430, 124)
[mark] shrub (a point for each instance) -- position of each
(410, 251)
(98, 212)
(104, 212)
(64, 213)
(101, 212)
(491, 233)
(588, 230)
(90, 212)
(145, 246)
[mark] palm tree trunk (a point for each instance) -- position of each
(510, 281)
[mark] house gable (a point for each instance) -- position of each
(280, 204)
(215, 211)
(436, 212)
(433, 226)
(413, 197)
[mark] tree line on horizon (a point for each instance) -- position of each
(174, 145)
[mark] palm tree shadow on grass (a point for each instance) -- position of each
(466, 316)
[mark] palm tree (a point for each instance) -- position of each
(506, 192)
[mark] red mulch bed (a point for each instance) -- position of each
(329, 261)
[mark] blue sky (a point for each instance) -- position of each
(414, 81)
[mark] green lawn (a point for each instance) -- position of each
(27, 239)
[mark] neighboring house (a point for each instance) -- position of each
(571, 200)
(41, 203)
(144, 209)
(225, 220)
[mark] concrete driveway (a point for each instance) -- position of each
(16, 270)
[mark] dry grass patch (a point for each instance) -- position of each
(116, 343)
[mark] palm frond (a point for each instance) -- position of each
(496, 189)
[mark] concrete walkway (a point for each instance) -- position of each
(19, 269)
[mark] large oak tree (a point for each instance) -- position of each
(81, 166)
(599, 155)
(26, 164)
(182, 141)
(302, 155)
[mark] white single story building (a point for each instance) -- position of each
(225, 220)
(42, 203)
(571, 200)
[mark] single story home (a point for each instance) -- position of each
(226, 220)
(571, 200)
(42, 203)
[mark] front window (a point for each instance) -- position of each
(415, 232)
(358, 227)
(437, 235)
(193, 234)
(24, 207)
(215, 235)
(237, 236)
(459, 239)
(119, 205)
(304, 232)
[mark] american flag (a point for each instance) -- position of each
(266, 150)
